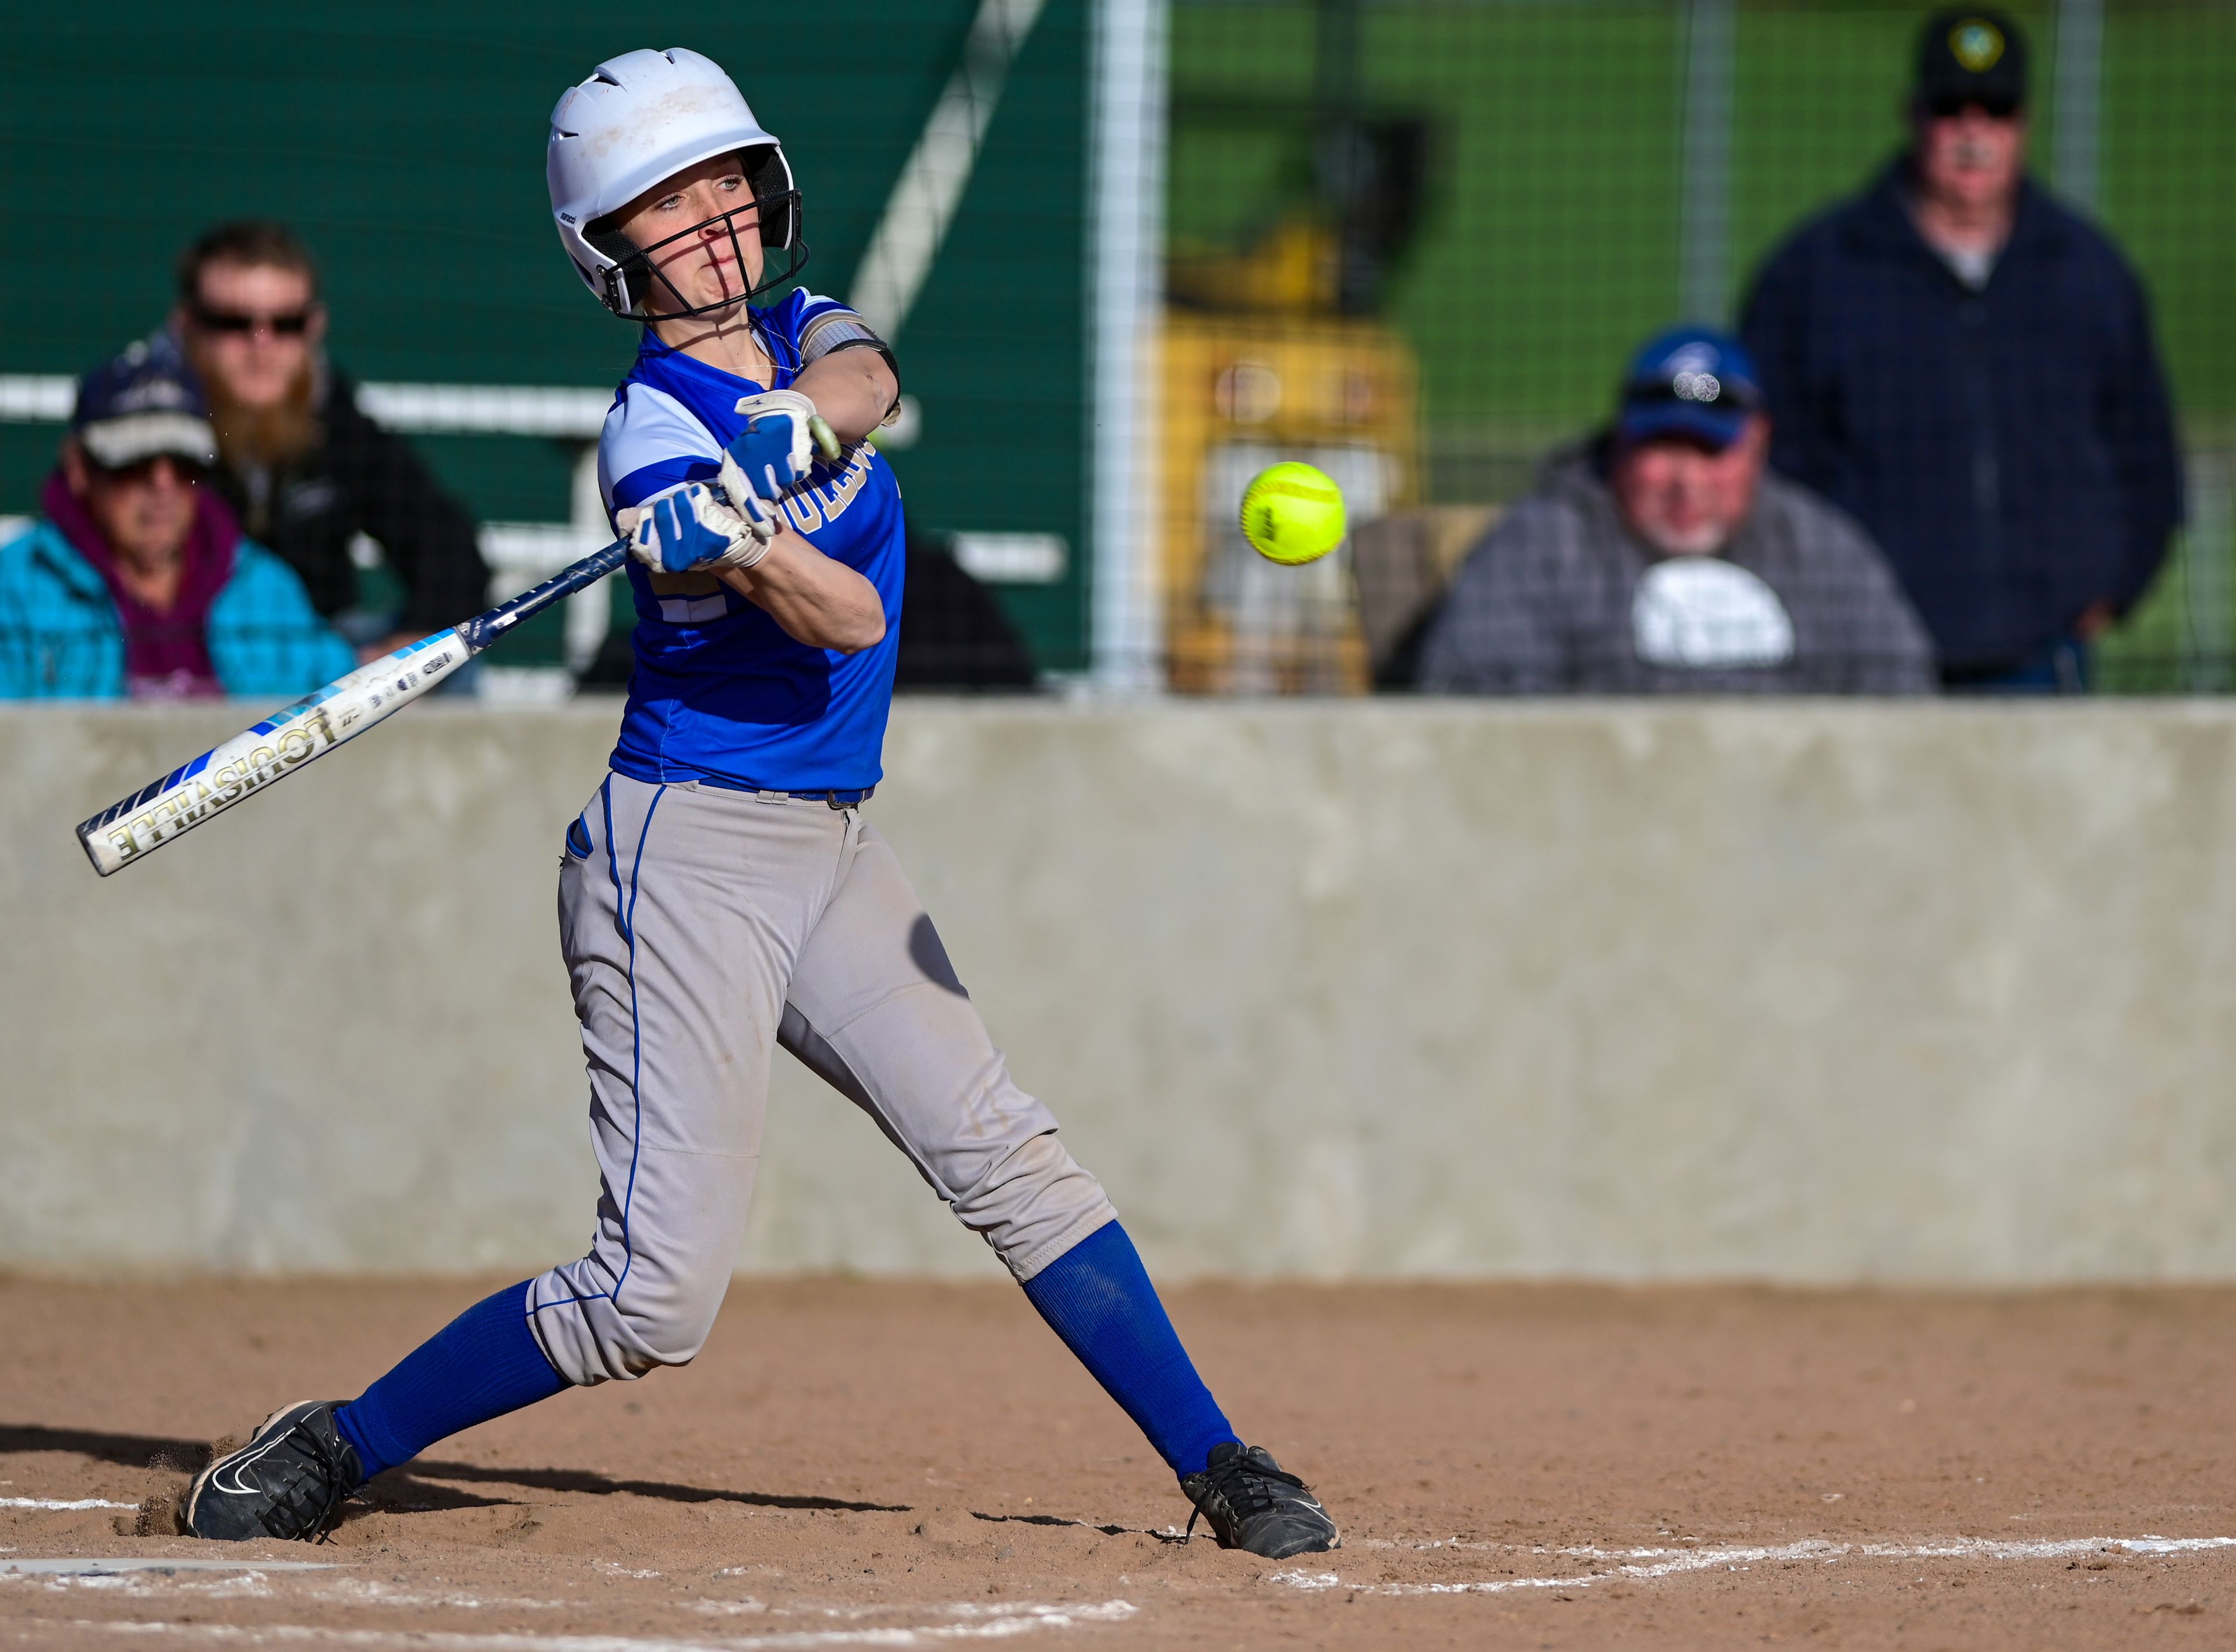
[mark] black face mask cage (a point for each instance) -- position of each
(631, 278)
(769, 176)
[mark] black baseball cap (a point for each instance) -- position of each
(1969, 57)
(144, 404)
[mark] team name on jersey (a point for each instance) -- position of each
(818, 507)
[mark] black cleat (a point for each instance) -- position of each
(1252, 1503)
(288, 1481)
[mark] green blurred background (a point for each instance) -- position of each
(1551, 237)
(407, 144)
(1552, 240)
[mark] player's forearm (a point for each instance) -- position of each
(851, 389)
(816, 600)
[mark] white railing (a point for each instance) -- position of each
(426, 410)
(36, 398)
(488, 409)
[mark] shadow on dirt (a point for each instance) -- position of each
(133, 1451)
(408, 1487)
(602, 1485)
(1167, 1536)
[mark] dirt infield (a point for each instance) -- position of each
(853, 1464)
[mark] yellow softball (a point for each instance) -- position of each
(1293, 513)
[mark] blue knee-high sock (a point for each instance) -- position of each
(1097, 1297)
(484, 1363)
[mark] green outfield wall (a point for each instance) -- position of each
(406, 141)
(1810, 993)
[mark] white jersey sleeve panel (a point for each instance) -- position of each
(651, 442)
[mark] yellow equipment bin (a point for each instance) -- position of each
(1242, 393)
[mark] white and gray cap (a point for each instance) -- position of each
(144, 405)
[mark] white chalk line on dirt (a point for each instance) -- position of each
(62, 1503)
(1001, 1623)
(90, 1566)
(1647, 1565)
(370, 1591)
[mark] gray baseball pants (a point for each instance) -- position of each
(702, 928)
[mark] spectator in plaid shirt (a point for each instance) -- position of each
(1660, 558)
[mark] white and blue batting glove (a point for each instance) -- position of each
(694, 527)
(777, 446)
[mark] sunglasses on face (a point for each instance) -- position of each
(287, 323)
(1995, 106)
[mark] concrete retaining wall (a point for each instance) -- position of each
(1801, 993)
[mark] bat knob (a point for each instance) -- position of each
(825, 438)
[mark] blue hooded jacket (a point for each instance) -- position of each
(2010, 449)
(60, 636)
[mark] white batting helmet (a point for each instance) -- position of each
(637, 119)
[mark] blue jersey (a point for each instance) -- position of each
(720, 692)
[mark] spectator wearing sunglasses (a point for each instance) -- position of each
(135, 580)
(305, 471)
(1659, 558)
(1967, 366)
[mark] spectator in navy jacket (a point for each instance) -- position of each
(1967, 367)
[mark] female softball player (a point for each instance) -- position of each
(722, 894)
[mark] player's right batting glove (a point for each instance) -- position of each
(694, 527)
(778, 445)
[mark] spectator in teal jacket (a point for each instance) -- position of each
(135, 581)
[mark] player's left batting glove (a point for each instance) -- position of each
(694, 526)
(779, 443)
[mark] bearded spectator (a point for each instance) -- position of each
(302, 468)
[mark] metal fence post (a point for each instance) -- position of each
(1704, 231)
(2208, 575)
(1126, 225)
(2074, 153)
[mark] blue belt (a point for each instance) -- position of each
(835, 800)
